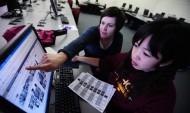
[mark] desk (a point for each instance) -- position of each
(93, 7)
(38, 13)
(134, 20)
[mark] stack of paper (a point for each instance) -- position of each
(96, 92)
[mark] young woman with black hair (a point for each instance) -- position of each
(144, 76)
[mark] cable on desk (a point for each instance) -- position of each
(13, 21)
(42, 21)
(17, 19)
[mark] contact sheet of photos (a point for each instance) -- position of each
(37, 91)
(96, 92)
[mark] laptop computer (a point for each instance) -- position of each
(22, 90)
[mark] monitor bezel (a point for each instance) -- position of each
(54, 7)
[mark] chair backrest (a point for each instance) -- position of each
(145, 13)
(181, 19)
(136, 10)
(150, 15)
(124, 4)
(157, 16)
(105, 6)
(70, 3)
(130, 6)
(162, 14)
(77, 2)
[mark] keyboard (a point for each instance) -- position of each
(66, 101)
(64, 19)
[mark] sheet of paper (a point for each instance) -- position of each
(68, 27)
(96, 92)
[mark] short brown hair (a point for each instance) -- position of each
(115, 12)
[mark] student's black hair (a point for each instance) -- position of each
(115, 12)
(171, 39)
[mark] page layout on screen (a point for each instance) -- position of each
(26, 89)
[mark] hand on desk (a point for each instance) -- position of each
(49, 62)
(88, 60)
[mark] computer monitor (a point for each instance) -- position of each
(54, 7)
(23, 90)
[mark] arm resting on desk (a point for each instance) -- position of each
(87, 60)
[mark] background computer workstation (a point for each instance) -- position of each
(33, 15)
(39, 15)
(172, 8)
(141, 12)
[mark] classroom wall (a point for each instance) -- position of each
(175, 8)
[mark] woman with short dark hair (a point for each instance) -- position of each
(97, 41)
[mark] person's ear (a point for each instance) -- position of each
(166, 63)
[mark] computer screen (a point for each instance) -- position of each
(54, 7)
(23, 90)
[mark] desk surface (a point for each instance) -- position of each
(139, 17)
(94, 3)
(32, 15)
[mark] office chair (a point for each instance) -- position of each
(162, 14)
(83, 7)
(76, 13)
(123, 6)
(157, 16)
(145, 13)
(70, 3)
(150, 15)
(101, 8)
(136, 10)
(181, 19)
(77, 2)
(130, 6)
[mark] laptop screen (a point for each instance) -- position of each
(22, 90)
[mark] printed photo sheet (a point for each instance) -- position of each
(96, 92)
